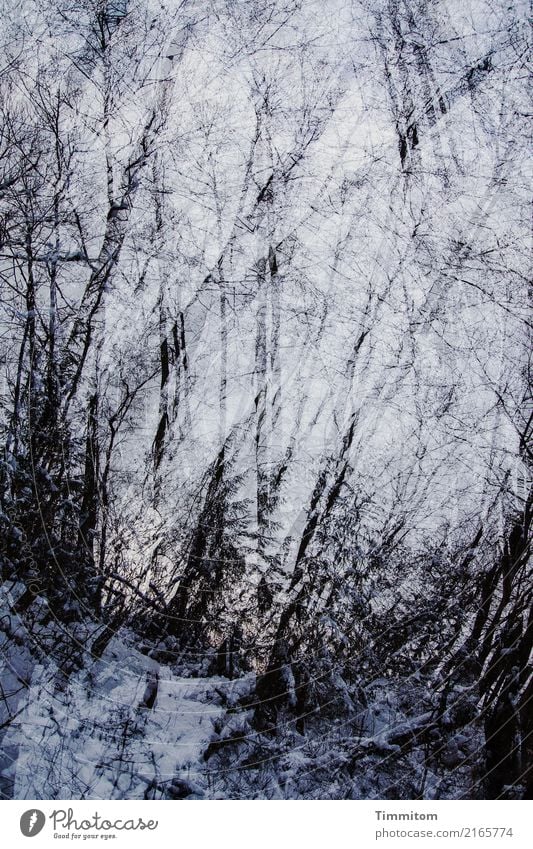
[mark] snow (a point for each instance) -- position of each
(91, 739)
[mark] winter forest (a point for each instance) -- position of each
(265, 400)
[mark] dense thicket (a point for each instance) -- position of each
(266, 408)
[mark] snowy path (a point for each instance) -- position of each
(95, 739)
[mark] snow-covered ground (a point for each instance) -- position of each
(122, 726)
